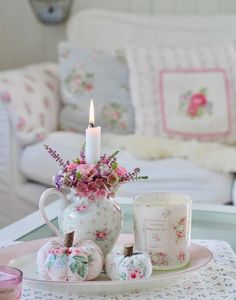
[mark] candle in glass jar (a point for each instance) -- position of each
(10, 283)
(93, 139)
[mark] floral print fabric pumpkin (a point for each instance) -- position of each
(64, 262)
(128, 265)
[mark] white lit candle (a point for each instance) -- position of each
(93, 139)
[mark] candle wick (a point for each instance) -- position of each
(91, 125)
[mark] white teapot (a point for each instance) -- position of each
(98, 220)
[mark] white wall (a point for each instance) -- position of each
(24, 40)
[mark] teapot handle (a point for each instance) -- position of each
(42, 202)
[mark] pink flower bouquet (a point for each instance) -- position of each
(100, 180)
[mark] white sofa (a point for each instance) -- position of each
(26, 171)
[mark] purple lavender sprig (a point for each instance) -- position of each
(56, 156)
(132, 176)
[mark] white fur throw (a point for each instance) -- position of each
(212, 156)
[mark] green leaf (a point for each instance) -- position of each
(114, 165)
(115, 153)
(78, 175)
(80, 265)
(143, 177)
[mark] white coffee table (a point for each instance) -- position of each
(208, 222)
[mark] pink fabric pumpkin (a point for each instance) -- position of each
(64, 262)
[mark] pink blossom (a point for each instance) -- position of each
(5, 96)
(135, 274)
(101, 235)
(120, 171)
(76, 251)
(101, 193)
(71, 167)
(198, 99)
(87, 171)
(104, 160)
(123, 125)
(89, 87)
(82, 189)
(112, 179)
(92, 187)
(181, 256)
(40, 136)
(180, 233)
(91, 198)
(77, 82)
(192, 110)
(21, 123)
(50, 86)
(81, 208)
(68, 251)
(99, 182)
(116, 114)
(29, 88)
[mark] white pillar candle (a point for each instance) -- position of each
(93, 139)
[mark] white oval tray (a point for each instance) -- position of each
(23, 256)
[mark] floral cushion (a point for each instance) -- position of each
(185, 92)
(87, 74)
(32, 95)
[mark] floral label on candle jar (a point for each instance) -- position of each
(162, 228)
(157, 234)
(180, 229)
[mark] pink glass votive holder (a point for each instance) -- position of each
(10, 283)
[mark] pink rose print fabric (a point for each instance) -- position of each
(103, 74)
(102, 235)
(184, 92)
(33, 97)
(195, 105)
(180, 229)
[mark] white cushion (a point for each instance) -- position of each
(172, 175)
(101, 29)
(185, 92)
(32, 97)
(87, 74)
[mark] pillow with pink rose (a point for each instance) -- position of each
(185, 92)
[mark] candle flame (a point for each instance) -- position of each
(91, 114)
